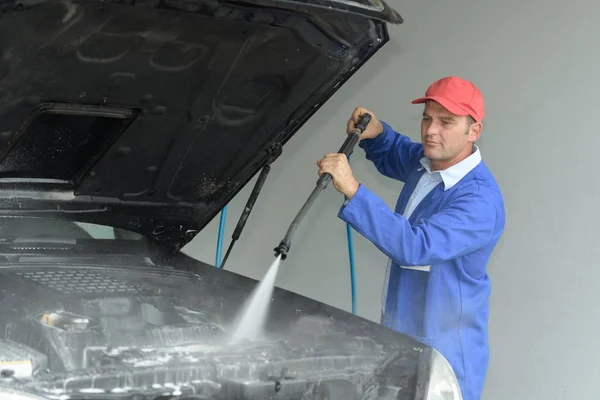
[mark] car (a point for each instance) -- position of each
(125, 128)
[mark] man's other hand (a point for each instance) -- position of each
(373, 129)
(336, 164)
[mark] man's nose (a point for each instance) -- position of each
(432, 128)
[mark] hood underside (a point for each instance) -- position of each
(151, 116)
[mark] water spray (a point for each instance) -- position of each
(347, 148)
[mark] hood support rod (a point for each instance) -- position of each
(275, 152)
(347, 148)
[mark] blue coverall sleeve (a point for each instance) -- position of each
(392, 153)
(467, 223)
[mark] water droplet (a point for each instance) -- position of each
(123, 150)
(160, 110)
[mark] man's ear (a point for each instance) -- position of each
(475, 131)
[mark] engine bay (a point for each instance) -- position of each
(82, 332)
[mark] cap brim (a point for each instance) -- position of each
(453, 108)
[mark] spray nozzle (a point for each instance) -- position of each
(282, 250)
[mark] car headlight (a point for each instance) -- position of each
(443, 384)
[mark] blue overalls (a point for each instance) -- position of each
(437, 290)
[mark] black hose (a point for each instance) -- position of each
(347, 149)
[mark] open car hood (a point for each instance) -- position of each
(151, 116)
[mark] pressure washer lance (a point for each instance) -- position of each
(322, 183)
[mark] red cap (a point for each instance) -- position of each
(457, 95)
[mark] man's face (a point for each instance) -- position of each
(447, 138)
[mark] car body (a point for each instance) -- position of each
(125, 127)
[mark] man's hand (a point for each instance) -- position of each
(336, 164)
(373, 129)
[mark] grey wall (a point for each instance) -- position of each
(538, 69)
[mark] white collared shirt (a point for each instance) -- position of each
(450, 176)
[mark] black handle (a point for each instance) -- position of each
(348, 145)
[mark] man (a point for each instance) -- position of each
(446, 223)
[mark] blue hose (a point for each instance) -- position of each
(351, 258)
(352, 275)
(220, 237)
